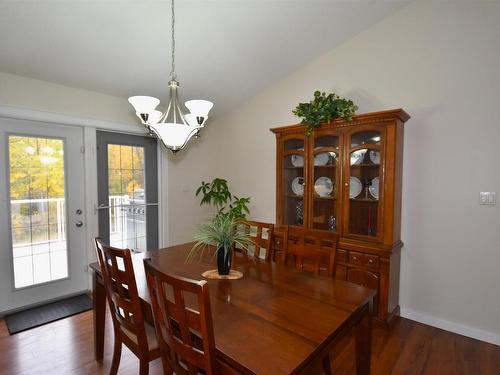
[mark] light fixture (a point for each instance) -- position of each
(173, 128)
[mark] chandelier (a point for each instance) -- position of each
(172, 127)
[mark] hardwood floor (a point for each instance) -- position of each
(66, 347)
(414, 348)
(62, 347)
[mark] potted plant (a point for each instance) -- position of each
(324, 108)
(222, 231)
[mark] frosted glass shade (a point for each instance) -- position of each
(193, 121)
(154, 117)
(173, 136)
(199, 108)
(144, 104)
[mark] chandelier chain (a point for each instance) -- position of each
(172, 127)
(172, 73)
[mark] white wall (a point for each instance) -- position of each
(186, 170)
(439, 61)
(23, 92)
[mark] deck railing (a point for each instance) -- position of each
(117, 222)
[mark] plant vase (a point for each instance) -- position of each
(223, 261)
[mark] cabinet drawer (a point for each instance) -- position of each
(341, 255)
(372, 261)
(278, 242)
(356, 258)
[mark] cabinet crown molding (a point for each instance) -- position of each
(363, 118)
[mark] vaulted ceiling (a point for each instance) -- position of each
(226, 50)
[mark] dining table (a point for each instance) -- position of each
(275, 320)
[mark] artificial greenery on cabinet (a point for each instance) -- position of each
(324, 108)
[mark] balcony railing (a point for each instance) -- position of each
(50, 214)
(37, 210)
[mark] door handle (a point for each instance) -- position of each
(79, 223)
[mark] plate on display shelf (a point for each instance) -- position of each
(374, 187)
(322, 159)
(358, 156)
(375, 156)
(298, 185)
(297, 160)
(323, 186)
(355, 187)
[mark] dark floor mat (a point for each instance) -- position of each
(40, 315)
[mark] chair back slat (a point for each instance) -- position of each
(311, 249)
(262, 236)
(183, 322)
(121, 291)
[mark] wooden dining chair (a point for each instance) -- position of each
(262, 236)
(183, 323)
(310, 249)
(126, 311)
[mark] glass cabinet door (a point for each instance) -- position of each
(325, 163)
(364, 184)
(293, 182)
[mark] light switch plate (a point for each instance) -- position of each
(488, 198)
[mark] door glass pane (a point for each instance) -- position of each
(326, 155)
(127, 212)
(293, 183)
(364, 182)
(37, 210)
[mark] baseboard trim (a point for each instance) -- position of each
(461, 329)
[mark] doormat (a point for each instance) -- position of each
(40, 315)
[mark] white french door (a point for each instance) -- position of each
(42, 222)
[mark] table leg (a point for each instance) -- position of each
(363, 341)
(99, 299)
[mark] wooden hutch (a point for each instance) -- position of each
(346, 177)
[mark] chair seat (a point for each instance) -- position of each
(150, 335)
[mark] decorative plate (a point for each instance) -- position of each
(358, 156)
(322, 159)
(375, 156)
(373, 188)
(323, 186)
(355, 187)
(298, 185)
(297, 160)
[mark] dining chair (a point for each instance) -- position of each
(183, 322)
(312, 250)
(127, 315)
(262, 236)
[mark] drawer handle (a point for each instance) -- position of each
(354, 258)
(277, 242)
(370, 260)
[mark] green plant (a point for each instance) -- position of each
(324, 108)
(222, 232)
(217, 193)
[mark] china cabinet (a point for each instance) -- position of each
(346, 178)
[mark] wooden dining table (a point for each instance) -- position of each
(274, 320)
